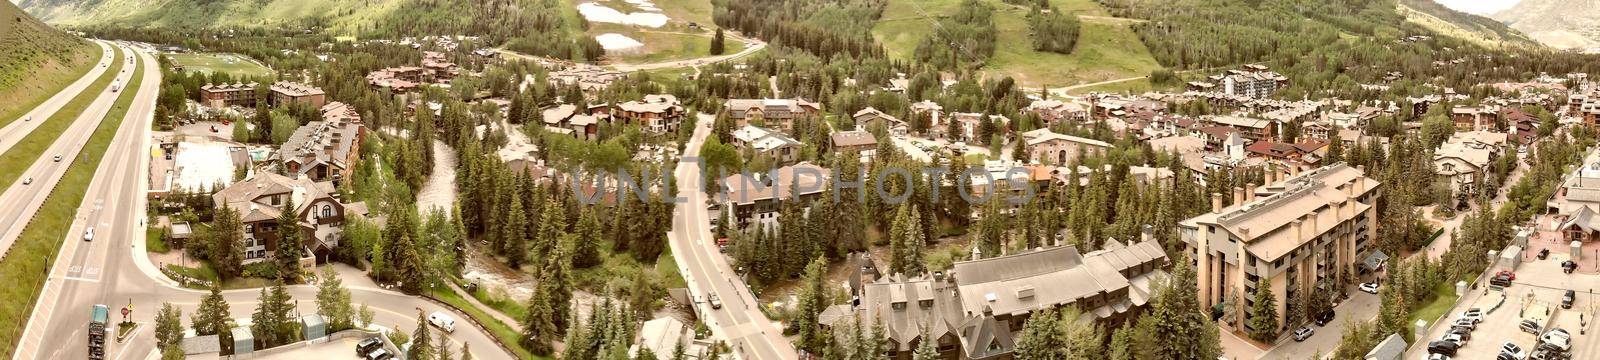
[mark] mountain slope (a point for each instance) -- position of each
(208, 13)
(35, 61)
(1566, 24)
(1443, 20)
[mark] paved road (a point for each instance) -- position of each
(739, 321)
(21, 201)
(751, 46)
(13, 132)
(114, 270)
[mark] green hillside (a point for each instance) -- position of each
(1443, 20)
(1107, 48)
(36, 61)
(203, 14)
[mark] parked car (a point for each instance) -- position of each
(1474, 314)
(1304, 333)
(1370, 288)
(1557, 338)
(1528, 326)
(380, 354)
(1465, 323)
(1454, 338)
(1568, 298)
(1515, 351)
(1325, 318)
(1568, 266)
(366, 346)
(1443, 347)
(1500, 280)
(1509, 275)
(1463, 333)
(1438, 357)
(442, 321)
(1544, 254)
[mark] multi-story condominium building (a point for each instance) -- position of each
(325, 150)
(779, 113)
(978, 310)
(285, 93)
(758, 199)
(655, 114)
(225, 95)
(1307, 230)
(1048, 147)
(261, 201)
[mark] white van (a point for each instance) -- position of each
(442, 321)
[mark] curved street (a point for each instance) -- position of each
(115, 270)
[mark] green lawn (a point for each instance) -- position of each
(29, 262)
(1106, 50)
(1438, 303)
(232, 64)
(498, 329)
(696, 11)
(20, 156)
(42, 83)
(664, 45)
(153, 241)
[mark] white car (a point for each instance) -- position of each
(88, 234)
(442, 321)
(1474, 315)
(58, 157)
(1370, 288)
(1455, 338)
(27, 181)
(1558, 338)
(1513, 350)
(1304, 333)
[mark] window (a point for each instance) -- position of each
(327, 210)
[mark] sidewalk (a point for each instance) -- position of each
(513, 323)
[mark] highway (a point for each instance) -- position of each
(21, 201)
(13, 132)
(114, 270)
(739, 321)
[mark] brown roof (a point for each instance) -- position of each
(853, 138)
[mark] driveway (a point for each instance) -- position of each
(1359, 307)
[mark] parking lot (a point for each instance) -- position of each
(342, 349)
(1539, 285)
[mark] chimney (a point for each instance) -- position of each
(1216, 203)
(1294, 170)
(1250, 192)
(1310, 224)
(1296, 227)
(1238, 196)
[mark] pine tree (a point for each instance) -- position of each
(1187, 333)
(1264, 315)
(587, 252)
(333, 302)
(211, 317)
(554, 282)
(1042, 337)
(466, 351)
(421, 340)
(926, 348)
(538, 328)
(226, 243)
(899, 249)
(444, 349)
(1393, 312)
(718, 45)
(290, 245)
(169, 327)
(813, 299)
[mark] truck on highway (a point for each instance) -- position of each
(116, 85)
(97, 332)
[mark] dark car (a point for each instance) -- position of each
(1325, 317)
(1566, 300)
(366, 346)
(1443, 347)
(1568, 266)
(1501, 280)
(1544, 254)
